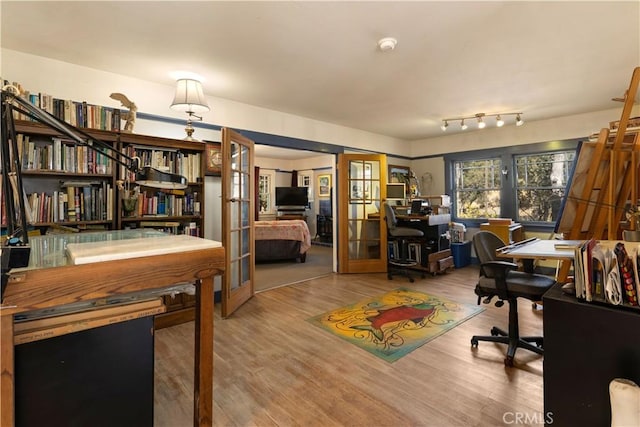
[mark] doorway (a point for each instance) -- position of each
(285, 167)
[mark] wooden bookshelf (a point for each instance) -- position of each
(72, 188)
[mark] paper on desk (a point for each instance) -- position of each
(89, 252)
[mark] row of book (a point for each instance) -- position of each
(607, 272)
(173, 227)
(160, 203)
(76, 113)
(75, 202)
(56, 154)
(185, 164)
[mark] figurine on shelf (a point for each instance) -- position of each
(130, 116)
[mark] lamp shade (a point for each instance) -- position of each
(189, 97)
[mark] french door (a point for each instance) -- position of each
(237, 220)
(362, 232)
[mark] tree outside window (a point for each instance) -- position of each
(477, 186)
(541, 180)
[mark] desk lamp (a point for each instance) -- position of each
(16, 249)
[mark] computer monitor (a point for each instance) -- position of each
(396, 191)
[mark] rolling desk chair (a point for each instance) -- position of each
(401, 264)
(497, 278)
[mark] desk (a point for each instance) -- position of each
(435, 256)
(537, 249)
(51, 281)
(509, 233)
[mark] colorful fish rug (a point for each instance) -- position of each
(396, 323)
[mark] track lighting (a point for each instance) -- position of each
(481, 122)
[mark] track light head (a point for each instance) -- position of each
(463, 126)
(499, 121)
(444, 126)
(519, 121)
(481, 123)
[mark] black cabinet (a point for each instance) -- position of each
(324, 228)
(97, 377)
(586, 345)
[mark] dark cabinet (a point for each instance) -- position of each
(586, 345)
(324, 228)
(97, 377)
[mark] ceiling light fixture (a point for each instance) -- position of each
(387, 43)
(480, 119)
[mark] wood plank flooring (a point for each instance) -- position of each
(273, 368)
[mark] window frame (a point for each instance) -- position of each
(271, 193)
(507, 156)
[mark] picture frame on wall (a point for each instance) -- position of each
(213, 159)
(324, 185)
(399, 174)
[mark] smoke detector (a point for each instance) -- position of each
(387, 43)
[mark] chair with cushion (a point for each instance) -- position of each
(498, 278)
(399, 263)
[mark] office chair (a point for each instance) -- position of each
(401, 235)
(498, 279)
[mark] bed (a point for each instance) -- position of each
(281, 240)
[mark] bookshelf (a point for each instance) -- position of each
(73, 189)
(174, 211)
(68, 188)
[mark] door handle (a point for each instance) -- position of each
(234, 200)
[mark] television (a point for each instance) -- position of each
(396, 191)
(292, 196)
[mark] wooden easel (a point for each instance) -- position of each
(604, 181)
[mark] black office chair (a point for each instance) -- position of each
(498, 279)
(399, 263)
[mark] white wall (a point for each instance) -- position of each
(68, 81)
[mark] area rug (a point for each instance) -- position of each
(394, 324)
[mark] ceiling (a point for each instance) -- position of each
(321, 60)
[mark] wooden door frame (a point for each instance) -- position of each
(234, 298)
(345, 265)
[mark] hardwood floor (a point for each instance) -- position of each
(273, 368)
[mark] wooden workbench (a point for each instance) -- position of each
(51, 281)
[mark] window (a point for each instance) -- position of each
(477, 188)
(305, 181)
(264, 193)
(541, 180)
(526, 183)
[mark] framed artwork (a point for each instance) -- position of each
(324, 185)
(399, 174)
(213, 157)
(357, 192)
